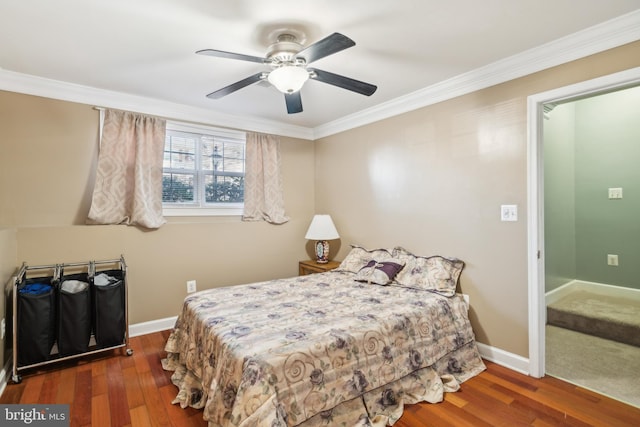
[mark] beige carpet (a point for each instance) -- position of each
(607, 367)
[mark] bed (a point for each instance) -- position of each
(341, 348)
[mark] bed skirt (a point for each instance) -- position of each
(379, 407)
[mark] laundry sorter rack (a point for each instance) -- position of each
(65, 311)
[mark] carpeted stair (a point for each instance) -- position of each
(613, 318)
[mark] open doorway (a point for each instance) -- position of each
(536, 191)
(592, 242)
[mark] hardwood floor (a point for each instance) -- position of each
(116, 390)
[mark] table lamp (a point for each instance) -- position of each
(321, 230)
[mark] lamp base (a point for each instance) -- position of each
(322, 251)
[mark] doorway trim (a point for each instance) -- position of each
(535, 198)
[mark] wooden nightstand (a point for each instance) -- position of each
(310, 267)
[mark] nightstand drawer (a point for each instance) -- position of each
(310, 267)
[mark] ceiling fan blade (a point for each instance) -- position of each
(235, 86)
(294, 102)
(343, 82)
(325, 47)
(231, 55)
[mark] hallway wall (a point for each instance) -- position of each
(559, 196)
(591, 145)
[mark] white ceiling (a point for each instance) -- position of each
(147, 47)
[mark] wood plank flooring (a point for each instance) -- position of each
(116, 390)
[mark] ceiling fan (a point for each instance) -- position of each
(288, 60)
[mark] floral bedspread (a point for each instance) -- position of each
(320, 349)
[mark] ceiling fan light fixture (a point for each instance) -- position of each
(288, 78)
(288, 60)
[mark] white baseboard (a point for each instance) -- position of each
(593, 287)
(152, 326)
(504, 358)
(559, 292)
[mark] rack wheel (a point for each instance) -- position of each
(129, 351)
(16, 379)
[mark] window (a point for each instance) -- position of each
(203, 171)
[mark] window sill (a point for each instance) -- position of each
(231, 211)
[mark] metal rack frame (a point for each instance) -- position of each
(58, 268)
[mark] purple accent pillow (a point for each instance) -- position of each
(358, 257)
(379, 272)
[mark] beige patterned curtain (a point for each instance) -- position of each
(263, 194)
(128, 188)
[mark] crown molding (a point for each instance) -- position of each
(607, 35)
(55, 89)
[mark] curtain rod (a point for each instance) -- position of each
(167, 119)
(103, 109)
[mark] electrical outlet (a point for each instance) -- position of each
(615, 193)
(612, 260)
(191, 286)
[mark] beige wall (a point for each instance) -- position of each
(49, 151)
(8, 264)
(433, 180)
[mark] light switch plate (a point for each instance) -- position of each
(508, 212)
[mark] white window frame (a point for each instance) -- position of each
(226, 209)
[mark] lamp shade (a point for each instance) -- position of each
(322, 228)
(288, 78)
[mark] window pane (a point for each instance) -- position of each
(221, 155)
(211, 154)
(177, 188)
(233, 157)
(234, 150)
(179, 152)
(234, 165)
(224, 189)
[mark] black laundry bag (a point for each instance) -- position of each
(74, 314)
(36, 320)
(109, 308)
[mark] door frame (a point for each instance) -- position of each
(535, 197)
